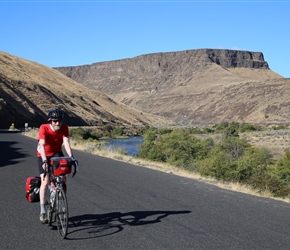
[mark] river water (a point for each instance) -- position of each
(130, 145)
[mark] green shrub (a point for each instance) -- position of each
(234, 127)
(280, 127)
(246, 127)
(252, 162)
(196, 131)
(178, 146)
(148, 149)
(117, 132)
(283, 167)
(234, 147)
(232, 130)
(217, 165)
(82, 133)
(229, 159)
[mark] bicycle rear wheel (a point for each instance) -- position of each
(61, 212)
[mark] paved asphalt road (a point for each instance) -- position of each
(114, 205)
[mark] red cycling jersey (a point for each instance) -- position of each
(53, 139)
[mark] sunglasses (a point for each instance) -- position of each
(55, 121)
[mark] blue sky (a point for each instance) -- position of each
(71, 33)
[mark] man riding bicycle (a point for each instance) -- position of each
(51, 136)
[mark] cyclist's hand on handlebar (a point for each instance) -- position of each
(45, 168)
(45, 165)
(76, 161)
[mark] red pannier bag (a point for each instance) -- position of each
(61, 165)
(32, 188)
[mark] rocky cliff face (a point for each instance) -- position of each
(193, 87)
(237, 59)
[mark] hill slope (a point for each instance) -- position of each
(28, 90)
(193, 87)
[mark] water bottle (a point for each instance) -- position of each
(52, 191)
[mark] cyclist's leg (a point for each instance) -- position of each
(42, 191)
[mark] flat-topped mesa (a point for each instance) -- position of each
(157, 65)
(166, 70)
(237, 58)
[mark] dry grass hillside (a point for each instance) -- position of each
(194, 87)
(28, 90)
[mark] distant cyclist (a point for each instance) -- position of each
(51, 136)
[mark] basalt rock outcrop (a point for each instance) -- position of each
(237, 59)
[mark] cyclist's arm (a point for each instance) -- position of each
(42, 149)
(67, 146)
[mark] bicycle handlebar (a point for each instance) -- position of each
(76, 167)
(75, 164)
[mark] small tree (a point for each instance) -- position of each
(118, 131)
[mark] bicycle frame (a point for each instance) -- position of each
(57, 207)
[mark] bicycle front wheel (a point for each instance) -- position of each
(49, 212)
(61, 213)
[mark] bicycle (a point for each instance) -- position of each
(57, 206)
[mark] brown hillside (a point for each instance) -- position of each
(193, 87)
(28, 90)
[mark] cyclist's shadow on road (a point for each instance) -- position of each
(99, 225)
